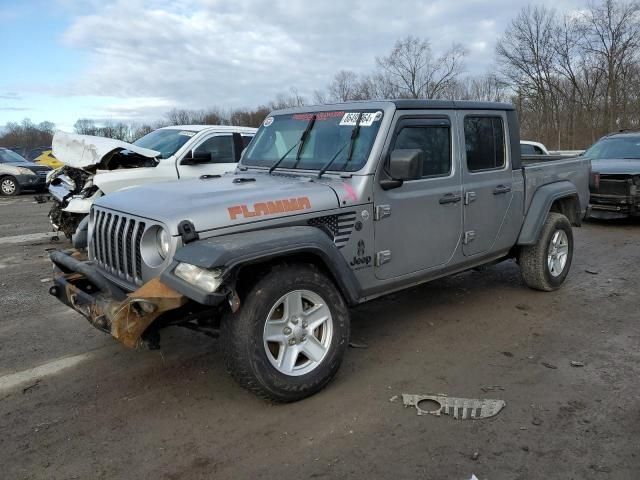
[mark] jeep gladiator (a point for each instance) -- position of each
(330, 206)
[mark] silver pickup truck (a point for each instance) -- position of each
(330, 206)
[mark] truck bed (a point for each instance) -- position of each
(539, 170)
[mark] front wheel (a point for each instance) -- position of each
(9, 186)
(545, 265)
(289, 337)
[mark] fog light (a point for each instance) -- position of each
(207, 280)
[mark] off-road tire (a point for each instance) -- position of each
(16, 185)
(242, 335)
(533, 258)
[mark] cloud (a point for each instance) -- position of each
(10, 96)
(199, 53)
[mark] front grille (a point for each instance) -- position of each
(115, 244)
(339, 226)
(614, 186)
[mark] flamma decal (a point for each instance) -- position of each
(269, 208)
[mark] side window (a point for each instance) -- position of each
(484, 139)
(526, 149)
(220, 148)
(435, 143)
(245, 140)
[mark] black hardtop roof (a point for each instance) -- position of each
(450, 105)
(401, 104)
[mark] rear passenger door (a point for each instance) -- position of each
(224, 151)
(487, 179)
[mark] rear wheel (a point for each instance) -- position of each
(545, 265)
(289, 337)
(9, 186)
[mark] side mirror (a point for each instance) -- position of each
(406, 164)
(194, 157)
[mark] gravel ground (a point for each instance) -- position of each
(175, 414)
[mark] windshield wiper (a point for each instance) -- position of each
(300, 143)
(354, 135)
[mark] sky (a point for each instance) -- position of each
(134, 60)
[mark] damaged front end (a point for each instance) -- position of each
(131, 318)
(615, 195)
(67, 186)
(72, 187)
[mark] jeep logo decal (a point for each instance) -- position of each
(360, 260)
(269, 208)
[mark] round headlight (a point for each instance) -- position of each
(163, 241)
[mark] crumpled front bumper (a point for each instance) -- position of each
(126, 316)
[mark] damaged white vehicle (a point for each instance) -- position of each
(95, 166)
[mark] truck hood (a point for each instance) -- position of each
(624, 166)
(83, 151)
(226, 201)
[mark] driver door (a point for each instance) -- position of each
(222, 157)
(418, 224)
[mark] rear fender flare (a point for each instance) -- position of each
(540, 206)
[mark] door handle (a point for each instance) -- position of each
(501, 189)
(450, 198)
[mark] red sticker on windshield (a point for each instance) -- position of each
(319, 116)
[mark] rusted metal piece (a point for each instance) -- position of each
(142, 307)
(125, 320)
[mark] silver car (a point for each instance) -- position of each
(17, 174)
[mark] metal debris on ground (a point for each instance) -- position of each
(394, 398)
(458, 408)
(577, 364)
(475, 456)
(592, 272)
(548, 365)
(358, 345)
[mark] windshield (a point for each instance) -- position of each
(166, 141)
(615, 148)
(330, 133)
(9, 156)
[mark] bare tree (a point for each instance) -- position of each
(527, 56)
(416, 73)
(85, 126)
(484, 88)
(344, 86)
(612, 35)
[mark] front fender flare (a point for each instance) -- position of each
(540, 206)
(230, 252)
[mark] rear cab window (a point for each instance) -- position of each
(484, 143)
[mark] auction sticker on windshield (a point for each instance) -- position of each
(268, 121)
(186, 133)
(351, 118)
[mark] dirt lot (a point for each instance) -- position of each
(174, 413)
